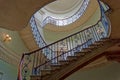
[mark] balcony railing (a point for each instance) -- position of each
(34, 62)
(69, 20)
(38, 38)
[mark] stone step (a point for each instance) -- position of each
(46, 72)
(105, 39)
(64, 62)
(86, 50)
(35, 77)
(72, 58)
(97, 44)
(93, 46)
(55, 66)
(89, 49)
(81, 54)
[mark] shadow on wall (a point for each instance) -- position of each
(108, 72)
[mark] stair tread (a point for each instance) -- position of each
(46, 70)
(89, 48)
(80, 54)
(72, 57)
(105, 38)
(96, 44)
(64, 61)
(93, 46)
(85, 51)
(55, 64)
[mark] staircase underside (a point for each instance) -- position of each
(96, 53)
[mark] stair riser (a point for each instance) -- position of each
(43, 73)
(55, 67)
(72, 58)
(35, 78)
(64, 63)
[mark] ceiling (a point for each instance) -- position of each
(15, 14)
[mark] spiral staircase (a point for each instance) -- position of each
(60, 59)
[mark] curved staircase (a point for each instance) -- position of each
(64, 68)
(60, 59)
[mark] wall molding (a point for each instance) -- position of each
(8, 56)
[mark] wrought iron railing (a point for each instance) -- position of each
(38, 38)
(42, 58)
(69, 20)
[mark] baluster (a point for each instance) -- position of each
(97, 37)
(69, 46)
(72, 46)
(83, 38)
(66, 48)
(55, 53)
(91, 36)
(105, 24)
(37, 56)
(80, 37)
(86, 38)
(104, 29)
(62, 50)
(99, 32)
(33, 70)
(40, 59)
(76, 43)
(52, 54)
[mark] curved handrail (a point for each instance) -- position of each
(69, 20)
(67, 46)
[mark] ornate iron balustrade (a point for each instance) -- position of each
(42, 58)
(40, 41)
(69, 20)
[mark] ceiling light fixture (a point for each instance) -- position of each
(7, 37)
